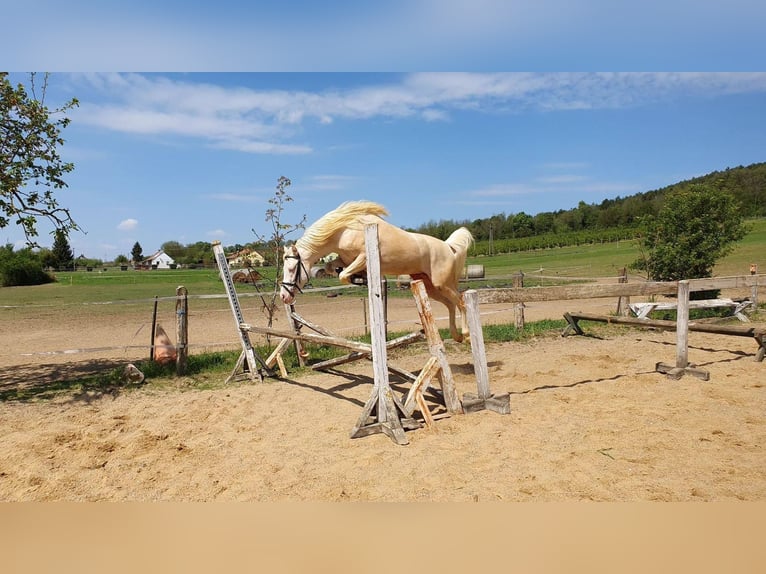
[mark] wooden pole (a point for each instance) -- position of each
(383, 412)
(623, 302)
(682, 365)
(477, 342)
(154, 330)
(518, 308)
(682, 325)
(384, 287)
(291, 322)
(182, 330)
(484, 399)
(436, 348)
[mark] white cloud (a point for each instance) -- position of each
(236, 197)
(127, 224)
(327, 182)
(216, 233)
(561, 179)
(569, 184)
(268, 121)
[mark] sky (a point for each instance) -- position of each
(264, 90)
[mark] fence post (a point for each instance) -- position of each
(682, 325)
(154, 330)
(182, 330)
(623, 303)
(518, 308)
(682, 365)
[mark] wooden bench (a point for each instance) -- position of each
(758, 333)
(642, 310)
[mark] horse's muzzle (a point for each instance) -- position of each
(286, 295)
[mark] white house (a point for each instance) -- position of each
(159, 260)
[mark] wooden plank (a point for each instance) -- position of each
(356, 355)
(427, 373)
(310, 325)
(564, 292)
(591, 290)
(311, 337)
(736, 282)
(436, 347)
(734, 330)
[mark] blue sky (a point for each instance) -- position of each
(261, 90)
(195, 157)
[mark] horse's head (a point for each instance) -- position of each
(294, 274)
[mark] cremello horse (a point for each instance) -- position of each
(437, 263)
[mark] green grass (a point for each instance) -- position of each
(597, 260)
(210, 370)
(607, 259)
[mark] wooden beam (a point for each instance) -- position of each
(735, 330)
(483, 399)
(311, 337)
(758, 333)
(592, 290)
(564, 292)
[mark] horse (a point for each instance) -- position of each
(437, 263)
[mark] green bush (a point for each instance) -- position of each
(21, 268)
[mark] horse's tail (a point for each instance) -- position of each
(460, 240)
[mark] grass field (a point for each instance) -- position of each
(597, 260)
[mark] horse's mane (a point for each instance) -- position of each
(343, 216)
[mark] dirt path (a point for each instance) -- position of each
(590, 420)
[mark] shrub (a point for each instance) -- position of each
(21, 268)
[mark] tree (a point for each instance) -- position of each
(276, 242)
(694, 228)
(62, 255)
(31, 170)
(137, 253)
(174, 249)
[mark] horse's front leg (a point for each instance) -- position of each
(357, 265)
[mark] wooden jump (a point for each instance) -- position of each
(384, 412)
(758, 333)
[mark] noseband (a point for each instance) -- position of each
(291, 286)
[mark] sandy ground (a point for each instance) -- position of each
(590, 419)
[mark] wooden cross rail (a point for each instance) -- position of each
(642, 310)
(359, 350)
(758, 333)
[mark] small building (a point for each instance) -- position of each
(245, 258)
(159, 260)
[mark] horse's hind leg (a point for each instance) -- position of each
(451, 299)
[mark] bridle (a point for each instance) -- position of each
(291, 286)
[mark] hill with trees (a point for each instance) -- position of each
(611, 220)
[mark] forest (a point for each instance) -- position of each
(611, 220)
